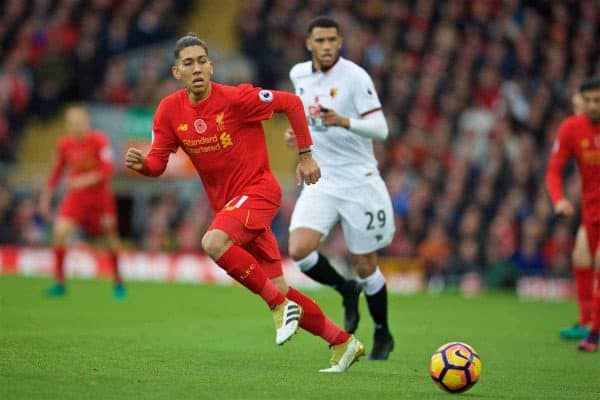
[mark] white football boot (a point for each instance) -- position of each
(345, 354)
(286, 317)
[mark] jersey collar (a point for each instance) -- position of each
(201, 102)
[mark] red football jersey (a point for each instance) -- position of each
(79, 155)
(224, 138)
(577, 137)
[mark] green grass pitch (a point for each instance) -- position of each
(202, 342)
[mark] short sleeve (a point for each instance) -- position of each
(365, 97)
(253, 103)
(562, 143)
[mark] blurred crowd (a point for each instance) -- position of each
(473, 91)
(53, 51)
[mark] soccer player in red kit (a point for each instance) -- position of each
(219, 127)
(579, 137)
(582, 267)
(86, 158)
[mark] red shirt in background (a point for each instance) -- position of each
(577, 137)
(80, 155)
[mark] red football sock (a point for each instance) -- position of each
(595, 309)
(244, 268)
(59, 268)
(584, 280)
(314, 321)
(115, 265)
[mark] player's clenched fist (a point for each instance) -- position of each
(134, 159)
(307, 170)
(564, 207)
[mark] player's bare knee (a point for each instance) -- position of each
(59, 241)
(62, 231)
(215, 243)
(581, 260)
(60, 238)
(581, 256)
(365, 265)
(302, 243)
(299, 250)
(365, 270)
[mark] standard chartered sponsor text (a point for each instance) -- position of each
(202, 140)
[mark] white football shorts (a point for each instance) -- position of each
(365, 213)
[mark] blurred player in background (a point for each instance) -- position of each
(579, 137)
(345, 116)
(85, 158)
(220, 129)
(582, 265)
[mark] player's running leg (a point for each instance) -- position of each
(584, 278)
(119, 291)
(345, 347)
(58, 288)
(590, 343)
(373, 284)
(63, 229)
(244, 268)
(345, 354)
(303, 242)
(105, 222)
(583, 290)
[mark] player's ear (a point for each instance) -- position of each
(308, 44)
(340, 42)
(175, 72)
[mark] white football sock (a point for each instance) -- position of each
(372, 283)
(307, 262)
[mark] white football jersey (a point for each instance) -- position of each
(346, 159)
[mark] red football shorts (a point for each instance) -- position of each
(247, 221)
(592, 229)
(95, 212)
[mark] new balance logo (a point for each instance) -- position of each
(379, 237)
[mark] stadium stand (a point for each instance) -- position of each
(473, 92)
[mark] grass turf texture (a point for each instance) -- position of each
(184, 341)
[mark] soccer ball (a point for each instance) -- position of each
(455, 367)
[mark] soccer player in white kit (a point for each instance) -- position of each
(345, 116)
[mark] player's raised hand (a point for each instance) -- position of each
(134, 159)
(564, 207)
(290, 139)
(307, 170)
